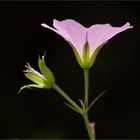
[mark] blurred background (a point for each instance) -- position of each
(42, 113)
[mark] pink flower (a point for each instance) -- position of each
(79, 36)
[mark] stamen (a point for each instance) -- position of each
(29, 69)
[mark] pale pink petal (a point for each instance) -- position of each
(75, 32)
(100, 33)
(71, 31)
(56, 31)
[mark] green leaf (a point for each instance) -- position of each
(73, 108)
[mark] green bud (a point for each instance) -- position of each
(43, 80)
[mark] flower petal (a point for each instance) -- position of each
(56, 31)
(73, 32)
(100, 33)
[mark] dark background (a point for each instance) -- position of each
(43, 114)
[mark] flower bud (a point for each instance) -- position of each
(43, 80)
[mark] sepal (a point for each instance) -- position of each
(93, 57)
(46, 72)
(30, 86)
(86, 61)
(78, 57)
(86, 57)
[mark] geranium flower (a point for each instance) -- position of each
(86, 42)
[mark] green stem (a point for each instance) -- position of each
(62, 93)
(85, 113)
(90, 130)
(86, 76)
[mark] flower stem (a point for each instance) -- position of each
(62, 93)
(90, 130)
(85, 109)
(86, 76)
